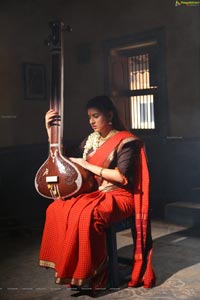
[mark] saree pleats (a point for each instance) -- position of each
(74, 241)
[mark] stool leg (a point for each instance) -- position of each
(112, 254)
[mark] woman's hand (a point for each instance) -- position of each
(51, 119)
(80, 161)
(112, 175)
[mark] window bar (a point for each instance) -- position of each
(148, 97)
(148, 111)
(144, 71)
(140, 71)
(134, 112)
(145, 111)
(138, 112)
(152, 112)
(142, 111)
(151, 116)
(136, 115)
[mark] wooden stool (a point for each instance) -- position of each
(111, 240)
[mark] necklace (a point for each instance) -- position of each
(111, 133)
(95, 140)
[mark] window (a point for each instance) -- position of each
(135, 81)
(142, 105)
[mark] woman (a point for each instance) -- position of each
(73, 240)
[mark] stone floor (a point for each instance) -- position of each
(176, 263)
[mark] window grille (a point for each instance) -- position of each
(142, 112)
(142, 104)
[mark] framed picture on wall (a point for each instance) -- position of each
(34, 81)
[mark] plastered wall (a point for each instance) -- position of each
(24, 27)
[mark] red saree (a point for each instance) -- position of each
(73, 241)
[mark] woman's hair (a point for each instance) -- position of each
(105, 105)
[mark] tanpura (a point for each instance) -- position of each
(58, 177)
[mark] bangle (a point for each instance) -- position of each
(100, 174)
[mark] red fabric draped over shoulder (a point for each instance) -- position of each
(102, 153)
(142, 273)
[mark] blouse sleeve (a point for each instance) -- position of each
(128, 159)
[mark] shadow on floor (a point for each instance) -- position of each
(176, 259)
(172, 252)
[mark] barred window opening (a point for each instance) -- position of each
(142, 106)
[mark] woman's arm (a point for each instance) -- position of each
(123, 168)
(108, 174)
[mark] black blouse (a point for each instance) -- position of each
(126, 160)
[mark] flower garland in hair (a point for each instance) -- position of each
(91, 143)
